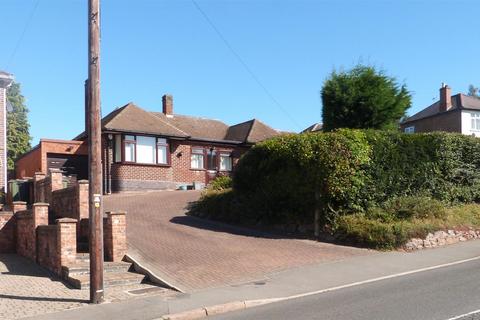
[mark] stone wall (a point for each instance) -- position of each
(7, 232)
(441, 238)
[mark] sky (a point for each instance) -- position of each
(231, 60)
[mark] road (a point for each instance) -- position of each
(438, 294)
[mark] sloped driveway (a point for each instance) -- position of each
(193, 254)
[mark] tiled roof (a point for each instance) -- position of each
(459, 101)
(131, 118)
(314, 127)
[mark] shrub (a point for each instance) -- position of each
(220, 183)
(415, 208)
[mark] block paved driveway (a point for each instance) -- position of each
(193, 254)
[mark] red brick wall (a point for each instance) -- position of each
(115, 236)
(47, 255)
(36, 160)
(71, 202)
(26, 238)
(139, 176)
(7, 232)
(450, 121)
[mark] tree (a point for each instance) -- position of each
(18, 135)
(362, 98)
(473, 91)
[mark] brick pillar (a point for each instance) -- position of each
(115, 236)
(66, 243)
(19, 206)
(56, 177)
(39, 218)
(7, 232)
(82, 199)
(38, 190)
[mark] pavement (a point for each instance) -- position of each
(192, 254)
(350, 274)
(26, 289)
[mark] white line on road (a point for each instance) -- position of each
(353, 284)
(464, 315)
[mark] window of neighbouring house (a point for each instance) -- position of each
(118, 148)
(409, 129)
(475, 119)
(212, 159)
(225, 162)
(129, 148)
(197, 158)
(162, 151)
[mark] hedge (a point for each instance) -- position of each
(282, 180)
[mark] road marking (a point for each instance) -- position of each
(464, 315)
(396, 275)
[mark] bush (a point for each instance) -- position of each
(407, 208)
(220, 183)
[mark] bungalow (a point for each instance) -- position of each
(459, 113)
(143, 150)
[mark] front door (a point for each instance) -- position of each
(212, 165)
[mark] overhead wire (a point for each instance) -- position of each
(244, 64)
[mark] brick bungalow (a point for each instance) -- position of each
(143, 150)
(458, 113)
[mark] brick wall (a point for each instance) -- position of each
(115, 236)
(7, 232)
(138, 176)
(36, 160)
(71, 202)
(26, 229)
(57, 245)
(450, 121)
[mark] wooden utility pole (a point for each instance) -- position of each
(94, 152)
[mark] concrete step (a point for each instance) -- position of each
(84, 268)
(110, 279)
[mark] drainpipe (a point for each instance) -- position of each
(109, 169)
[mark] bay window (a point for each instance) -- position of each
(130, 146)
(141, 149)
(197, 158)
(225, 162)
(162, 150)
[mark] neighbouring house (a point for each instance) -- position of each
(143, 150)
(316, 127)
(6, 80)
(458, 113)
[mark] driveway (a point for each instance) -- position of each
(192, 254)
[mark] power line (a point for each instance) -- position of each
(27, 24)
(244, 64)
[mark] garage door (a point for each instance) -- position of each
(70, 164)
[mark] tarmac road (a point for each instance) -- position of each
(446, 293)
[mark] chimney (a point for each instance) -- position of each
(167, 103)
(445, 97)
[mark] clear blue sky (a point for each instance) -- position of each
(152, 47)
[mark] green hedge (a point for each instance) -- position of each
(283, 179)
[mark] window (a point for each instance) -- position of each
(118, 148)
(146, 152)
(225, 162)
(211, 159)
(409, 129)
(162, 151)
(197, 158)
(130, 148)
(475, 121)
(142, 149)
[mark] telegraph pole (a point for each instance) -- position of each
(94, 152)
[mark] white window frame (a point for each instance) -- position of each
(198, 153)
(225, 155)
(410, 129)
(475, 121)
